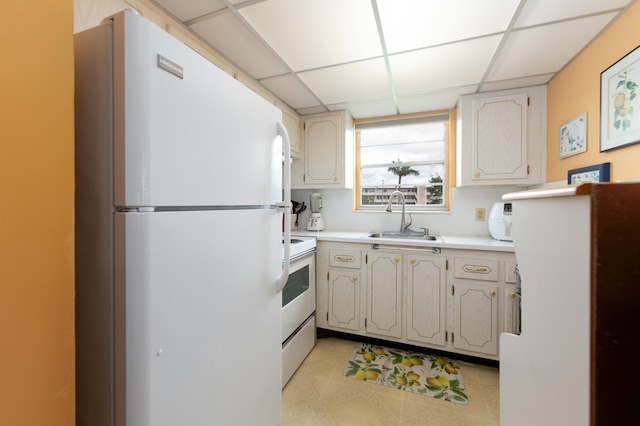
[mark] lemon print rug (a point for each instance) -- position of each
(429, 375)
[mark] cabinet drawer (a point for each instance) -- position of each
(345, 258)
(476, 269)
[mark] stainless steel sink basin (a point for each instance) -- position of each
(404, 236)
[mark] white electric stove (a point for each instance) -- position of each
(299, 306)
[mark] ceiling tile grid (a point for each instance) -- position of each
(416, 24)
(385, 57)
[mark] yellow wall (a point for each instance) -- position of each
(37, 381)
(577, 89)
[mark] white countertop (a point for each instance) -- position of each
(465, 242)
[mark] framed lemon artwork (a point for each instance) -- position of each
(619, 125)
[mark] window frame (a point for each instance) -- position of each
(449, 162)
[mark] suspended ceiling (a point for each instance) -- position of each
(386, 57)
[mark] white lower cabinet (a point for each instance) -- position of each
(475, 318)
(341, 297)
(454, 301)
(426, 299)
(384, 294)
(344, 299)
(509, 303)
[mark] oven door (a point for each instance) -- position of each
(299, 294)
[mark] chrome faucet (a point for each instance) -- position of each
(403, 223)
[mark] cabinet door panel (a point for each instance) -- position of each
(509, 298)
(344, 299)
(384, 307)
(475, 320)
(323, 156)
(426, 299)
(499, 144)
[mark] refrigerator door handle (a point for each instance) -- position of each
(285, 206)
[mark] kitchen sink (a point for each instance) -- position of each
(405, 236)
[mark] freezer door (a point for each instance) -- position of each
(187, 133)
(201, 324)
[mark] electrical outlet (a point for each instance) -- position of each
(480, 214)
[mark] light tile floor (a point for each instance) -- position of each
(319, 394)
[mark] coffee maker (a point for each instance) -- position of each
(316, 222)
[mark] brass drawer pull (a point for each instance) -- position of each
(476, 269)
(344, 258)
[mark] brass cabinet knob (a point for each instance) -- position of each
(492, 292)
(412, 260)
(396, 259)
(513, 295)
(354, 278)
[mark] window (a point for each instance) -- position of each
(408, 155)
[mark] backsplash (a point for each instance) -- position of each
(339, 215)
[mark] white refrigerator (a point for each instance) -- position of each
(179, 201)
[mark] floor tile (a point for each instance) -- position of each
(319, 394)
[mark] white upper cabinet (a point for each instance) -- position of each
(292, 124)
(327, 152)
(501, 138)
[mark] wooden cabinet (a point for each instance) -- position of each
(582, 303)
(341, 298)
(384, 294)
(451, 301)
(326, 151)
(292, 124)
(475, 317)
(426, 299)
(501, 138)
(475, 304)
(509, 302)
(509, 299)
(344, 299)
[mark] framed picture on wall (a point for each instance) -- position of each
(573, 136)
(619, 125)
(596, 173)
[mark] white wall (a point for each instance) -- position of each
(339, 215)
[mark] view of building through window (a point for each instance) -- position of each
(409, 157)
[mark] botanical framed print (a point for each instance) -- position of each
(618, 85)
(596, 173)
(573, 136)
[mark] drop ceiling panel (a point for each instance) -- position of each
(435, 48)
(227, 33)
(190, 9)
(309, 34)
(413, 24)
(291, 91)
(528, 52)
(457, 64)
(354, 81)
(543, 11)
(432, 101)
